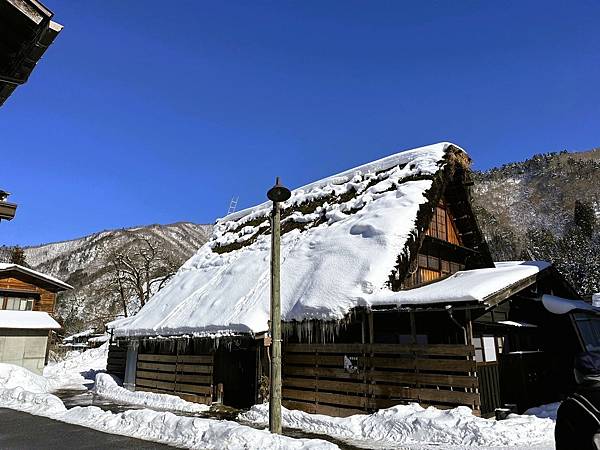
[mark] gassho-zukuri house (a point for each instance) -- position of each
(27, 303)
(389, 295)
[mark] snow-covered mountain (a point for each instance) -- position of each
(535, 194)
(84, 263)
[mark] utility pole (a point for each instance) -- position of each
(276, 194)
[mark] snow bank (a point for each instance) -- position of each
(161, 427)
(12, 376)
(34, 403)
(78, 370)
(188, 432)
(107, 387)
(17, 386)
(412, 424)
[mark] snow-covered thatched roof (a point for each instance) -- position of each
(55, 282)
(343, 238)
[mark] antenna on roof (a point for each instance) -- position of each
(233, 205)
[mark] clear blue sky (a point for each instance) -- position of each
(156, 112)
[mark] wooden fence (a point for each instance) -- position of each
(489, 387)
(115, 363)
(188, 376)
(344, 379)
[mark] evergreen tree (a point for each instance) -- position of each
(17, 256)
(584, 218)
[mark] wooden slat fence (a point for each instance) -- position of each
(344, 379)
(115, 363)
(188, 376)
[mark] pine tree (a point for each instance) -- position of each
(17, 256)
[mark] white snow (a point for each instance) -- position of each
(327, 269)
(559, 305)
(410, 426)
(108, 388)
(38, 320)
(80, 370)
(25, 391)
(12, 377)
(83, 333)
(4, 267)
(465, 286)
(165, 427)
(512, 323)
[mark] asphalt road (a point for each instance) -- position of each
(20, 430)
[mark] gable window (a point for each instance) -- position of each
(442, 226)
(18, 303)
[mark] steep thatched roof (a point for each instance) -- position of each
(345, 240)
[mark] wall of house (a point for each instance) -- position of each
(44, 300)
(25, 348)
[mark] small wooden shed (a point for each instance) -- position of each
(389, 295)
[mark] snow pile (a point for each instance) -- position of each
(412, 424)
(107, 387)
(12, 377)
(544, 411)
(78, 370)
(343, 258)
(188, 432)
(162, 427)
(34, 403)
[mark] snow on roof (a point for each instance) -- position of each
(476, 285)
(341, 238)
(84, 333)
(27, 320)
(559, 305)
(4, 267)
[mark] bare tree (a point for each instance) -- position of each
(141, 270)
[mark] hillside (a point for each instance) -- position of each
(85, 263)
(528, 210)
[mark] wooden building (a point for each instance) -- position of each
(389, 295)
(26, 32)
(27, 303)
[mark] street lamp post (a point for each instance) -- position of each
(276, 194)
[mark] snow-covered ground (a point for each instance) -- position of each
(400, 427)
(107, 387)
(414, 427)
(24, 391)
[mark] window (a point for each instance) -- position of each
(430, 268)
(442, 226)
(19, 304)
(589, 329)
(489, 348)
(485, 348)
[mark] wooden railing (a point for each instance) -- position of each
(188, 376)
(343, 379)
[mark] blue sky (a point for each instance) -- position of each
(157, 112)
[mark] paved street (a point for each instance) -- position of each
(20, 430)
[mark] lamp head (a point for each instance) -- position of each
(279, 193)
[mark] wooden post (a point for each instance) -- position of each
(275, 385)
